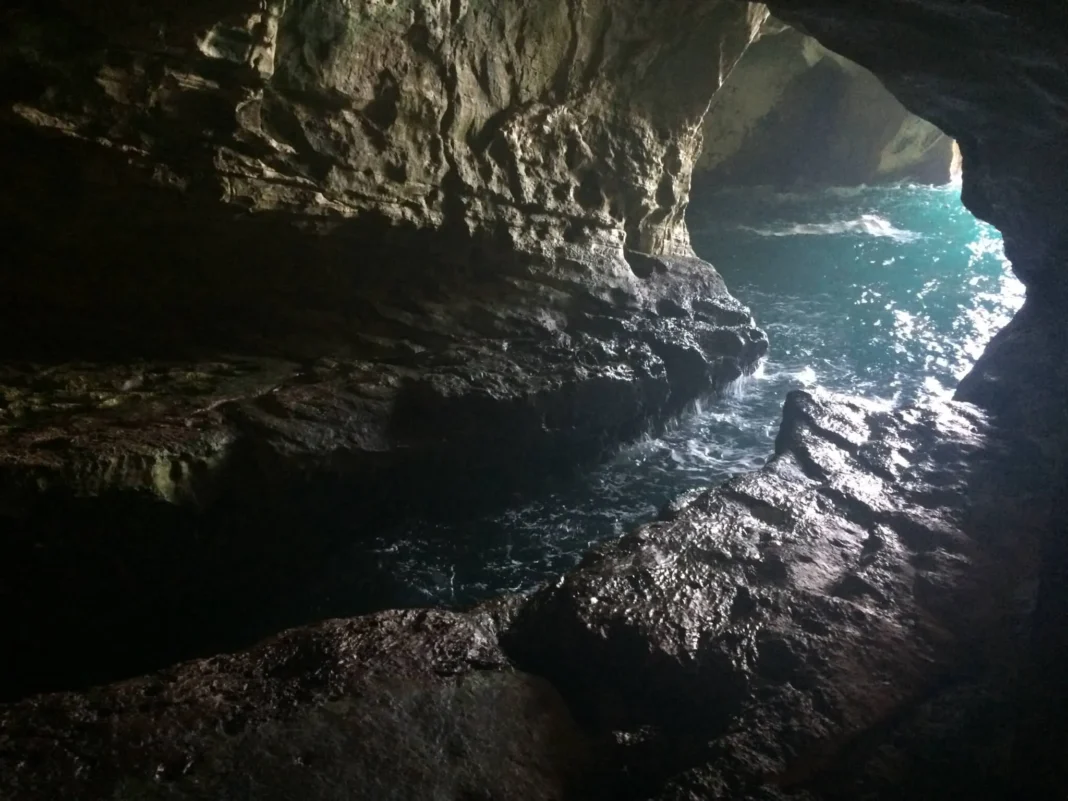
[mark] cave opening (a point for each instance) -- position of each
(833, 213)
(831, 209)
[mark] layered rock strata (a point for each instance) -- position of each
(282, 271)
(839, 625)
(992, 75)
(813, 630)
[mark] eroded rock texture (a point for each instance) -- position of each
(994, 75)
(784, 626)
(284, 266)
(432, 140)
(794, 113)
(402, 270)
(830, 627)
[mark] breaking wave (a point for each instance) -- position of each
(865, 225)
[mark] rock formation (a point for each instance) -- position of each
(279, 261)
(794, 113)
(398, 705)
(797, 628)
(272, 260)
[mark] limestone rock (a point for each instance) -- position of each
(793, 611)
(819, 630)
(400, 705)
(206, 490)
(792, 112)
(287, 270)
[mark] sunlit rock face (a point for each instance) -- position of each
(793, 113)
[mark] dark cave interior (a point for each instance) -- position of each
(281, 273)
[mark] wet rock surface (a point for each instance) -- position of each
(398, 705)
(222, 484)
(789, 622)
(295, 177)
(1000, 93)
(410, 235)
(840, 624)
(280, 266)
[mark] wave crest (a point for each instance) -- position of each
(864, 225)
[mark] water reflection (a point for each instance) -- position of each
(890, 293)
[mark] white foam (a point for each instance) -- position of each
(806, 377)
(864, 225)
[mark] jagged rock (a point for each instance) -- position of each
(817, 630)
(794, 611)
(286, 266)
(206, 490)
(792, 112)
(992, 74)
(399, 705)
(756, 646)
(434, 141)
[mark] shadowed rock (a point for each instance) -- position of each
(288, 271)
(395, 706)
(815, 629)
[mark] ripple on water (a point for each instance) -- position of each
(890, 293)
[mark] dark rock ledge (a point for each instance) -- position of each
(153, 506)
(834, 626)
(271, 260)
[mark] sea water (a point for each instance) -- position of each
(887, 292)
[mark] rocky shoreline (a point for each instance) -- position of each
(272, 262)
(777, 636)
(211, 485)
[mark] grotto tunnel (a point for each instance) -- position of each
(533, 400)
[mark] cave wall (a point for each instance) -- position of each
(281, 274)
(214, 142)
(805, 632)
(794, 113)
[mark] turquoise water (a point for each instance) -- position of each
(884, 292)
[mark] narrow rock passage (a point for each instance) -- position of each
(781, 633)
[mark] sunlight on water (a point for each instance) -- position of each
(890, 293)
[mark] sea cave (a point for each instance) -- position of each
(533, 401)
